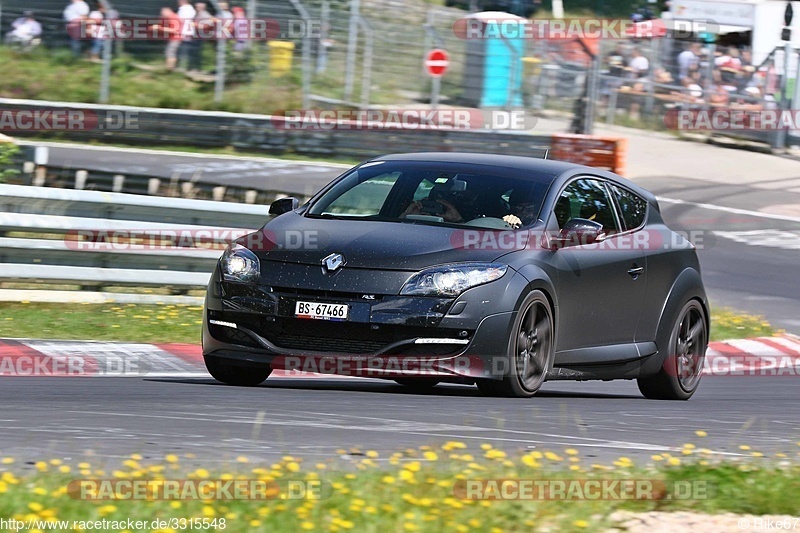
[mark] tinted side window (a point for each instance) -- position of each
(632, 206)
(586, 198)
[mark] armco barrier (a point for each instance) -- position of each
(155, 241)
(153, 126)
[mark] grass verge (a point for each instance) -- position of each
(181, 323)
(108, 322)
(422, 489)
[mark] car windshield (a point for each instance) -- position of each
(436, 193)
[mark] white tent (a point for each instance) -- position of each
(763, 17)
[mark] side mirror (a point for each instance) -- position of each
(284, 205)
(577, 232)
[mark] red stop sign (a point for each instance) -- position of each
(436, 62)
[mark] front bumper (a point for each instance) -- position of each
(460, 339)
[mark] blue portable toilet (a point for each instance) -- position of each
(494, 69)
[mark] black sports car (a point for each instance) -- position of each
(501, 271)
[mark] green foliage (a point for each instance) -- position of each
(7, 153)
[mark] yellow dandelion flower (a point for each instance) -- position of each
(413, 466)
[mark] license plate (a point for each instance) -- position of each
(322, 311)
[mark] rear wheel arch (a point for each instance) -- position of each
(688, 286)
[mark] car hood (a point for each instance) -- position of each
(293, 238)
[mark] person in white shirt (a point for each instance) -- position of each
(186, 14)
(94, 22)
(638, 64)
(74, 14)
(25, 30)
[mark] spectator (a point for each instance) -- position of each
(638, 64)
(94, 29)
(204, 23)
(615, 64)
(240, 28)
(26, 30)
(225, 17)
(616, 61)
(688, 60)
(186, 14)
(662, 78)
(718, 91)
(691, 88)
(171, 26)
(74, 15)
(747, 61)
(224, 11)
(729, 60)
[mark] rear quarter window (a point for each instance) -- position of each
(633, 207)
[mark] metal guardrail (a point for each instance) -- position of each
(266, 133)
(96, 239)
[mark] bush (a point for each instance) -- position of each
(7, 153)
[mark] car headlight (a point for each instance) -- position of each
(239, 264)
(452, 280)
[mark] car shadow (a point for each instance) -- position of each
(388, 387)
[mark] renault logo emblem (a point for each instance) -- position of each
(333, 262)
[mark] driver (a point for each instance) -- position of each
(450, 213)
(441, 201)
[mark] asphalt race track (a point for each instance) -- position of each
(303, 178)
(113, 417)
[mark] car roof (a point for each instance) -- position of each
(542, 166)
(546, 166)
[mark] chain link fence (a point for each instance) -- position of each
(370, 53)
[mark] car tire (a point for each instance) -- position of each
(232, 373)
(680, 374)
(420, 385)
(531, 347)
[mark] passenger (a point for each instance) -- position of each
(523, 209)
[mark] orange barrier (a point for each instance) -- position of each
(591, 150)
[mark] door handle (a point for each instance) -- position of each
(635, 271)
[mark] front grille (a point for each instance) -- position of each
(341, 337)
(326, 344)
